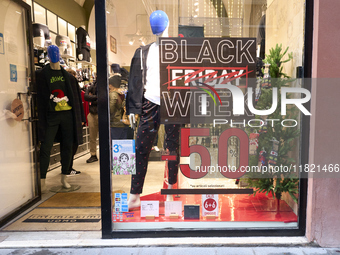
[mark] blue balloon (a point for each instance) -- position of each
(158, 22)
(53, 53)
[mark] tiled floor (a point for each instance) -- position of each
(89, 178)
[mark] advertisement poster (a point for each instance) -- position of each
(210, 205)
(123, 157)
(205, 79)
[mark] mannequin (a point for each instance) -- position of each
(83, 44)
(144, 99)
(56, 114)
(64, 44)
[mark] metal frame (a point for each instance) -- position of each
(105, 153)
(31, 90)
(103, 119)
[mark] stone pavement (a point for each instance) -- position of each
(175, 251)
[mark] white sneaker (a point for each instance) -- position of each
(73, 173)
(156, 148)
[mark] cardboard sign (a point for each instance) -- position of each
(18, 109)
(173, 207)
(210, 205)
(149, 208)
(123, 157)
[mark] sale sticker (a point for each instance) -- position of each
(210, 205)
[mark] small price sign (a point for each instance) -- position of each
(210, 205)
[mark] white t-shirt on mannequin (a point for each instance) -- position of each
(152, 86)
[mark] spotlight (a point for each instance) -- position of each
(131, 41)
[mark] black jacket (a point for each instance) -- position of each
(83, 39)
(79, 115)
(137, 79)
(43, 97)
(92, 99)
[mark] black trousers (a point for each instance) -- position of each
(146, 134)
(57, 120)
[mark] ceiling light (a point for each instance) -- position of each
(131, 41)
(196, 3)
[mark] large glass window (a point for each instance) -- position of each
(225, 68)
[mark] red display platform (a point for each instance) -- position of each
(233, 207)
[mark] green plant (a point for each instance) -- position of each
(276, 183)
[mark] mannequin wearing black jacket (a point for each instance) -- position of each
(83, 44)
(52, 119)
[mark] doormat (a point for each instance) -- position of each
(43, 219)
(75, 199)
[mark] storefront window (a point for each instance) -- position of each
(229, 71)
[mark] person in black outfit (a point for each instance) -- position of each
(92, 118)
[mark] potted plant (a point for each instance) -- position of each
(275, 141)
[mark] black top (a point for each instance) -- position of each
(91, 97)
(83, 39)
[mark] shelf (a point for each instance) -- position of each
(84, 62)
(66, 56)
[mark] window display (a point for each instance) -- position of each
(220, 83)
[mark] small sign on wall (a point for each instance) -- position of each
(14, 73)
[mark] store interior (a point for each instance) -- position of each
(80, 209)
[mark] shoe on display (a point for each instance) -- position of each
(92, 159)
(73, 172)
(155, 148)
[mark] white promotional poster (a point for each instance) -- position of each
(149, 208)
(173, 208)
(210, 205)
(123, 157)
